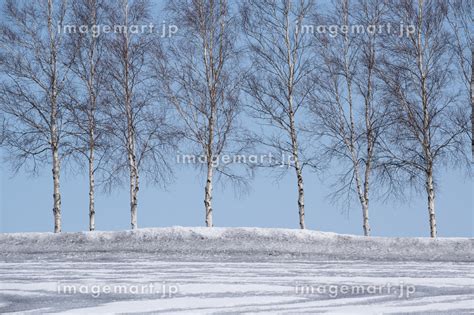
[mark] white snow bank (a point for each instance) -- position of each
(201, 241)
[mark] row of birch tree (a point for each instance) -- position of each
(383, 112)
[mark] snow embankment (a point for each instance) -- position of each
(263, 242)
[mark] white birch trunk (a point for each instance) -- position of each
(208, 196)
(91, 189)
(291, 60)
(132, 164)
(91, 130)
(56, 190)
(365, 204)
(431, 203)
(299, 177)
(92, 126)
(133, 199)
(362, 185)
(370, 144)
(363, 196)
(210, 167)
(365, 216)
(426, 140)
(298, 169)
(134, 185)
(53, 124)
(130, 141)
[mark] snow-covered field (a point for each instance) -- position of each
(235, 271)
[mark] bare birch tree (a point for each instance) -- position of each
(280, 78)
(85, 112)
(203, 80)
(138, 128)
(34, 78)
(417, 72)
(348, 114)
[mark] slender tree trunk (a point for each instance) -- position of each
(133, 168)
(294, 141)
(291, 61)
(56, 191)
(431, 203)
(363, 194)
(133, 179)
(91, 189)
(299, 177)
(92, 125)
(298, 168)
(426, 128)
(56, 162)
(210, 167)
(429, 166)
(132, 159)
(362, 184)
(365, 216)
(365, 205)
(368, 166)
(370, 141)
(208, 195)
(91, 130)
(53, 124)
(134, 199)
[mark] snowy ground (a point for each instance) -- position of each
(233, 271)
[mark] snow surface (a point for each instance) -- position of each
(234, 271)
(199, 241)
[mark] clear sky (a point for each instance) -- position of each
(26, 205)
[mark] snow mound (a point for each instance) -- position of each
(257, 242)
